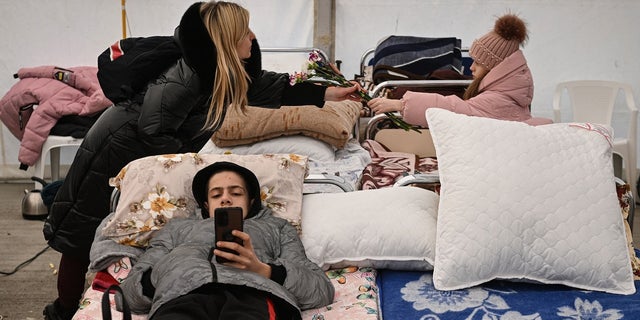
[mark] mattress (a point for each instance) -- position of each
(356, 294)
(411, 295)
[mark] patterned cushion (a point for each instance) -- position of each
(158, 188)
(387, 167)
(625, 197)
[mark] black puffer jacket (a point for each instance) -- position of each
(168, 119)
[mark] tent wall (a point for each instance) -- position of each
(570, 39)
(70, 33)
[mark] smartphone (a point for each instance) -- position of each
(226, 220)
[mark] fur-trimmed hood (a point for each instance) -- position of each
(199, 51)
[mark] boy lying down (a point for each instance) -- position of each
(268, 276)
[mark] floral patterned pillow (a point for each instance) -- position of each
(155, 189)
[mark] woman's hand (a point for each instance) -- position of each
(246, 258)
(382, 105)
(343, 93)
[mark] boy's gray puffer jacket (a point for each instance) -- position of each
(181, 259)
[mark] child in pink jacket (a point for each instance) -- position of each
(502, 86)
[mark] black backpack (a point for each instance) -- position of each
(129, 64)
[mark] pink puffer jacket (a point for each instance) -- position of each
(55, 92)
(506, 93)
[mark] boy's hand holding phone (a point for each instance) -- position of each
(233, 246)
(227, 219)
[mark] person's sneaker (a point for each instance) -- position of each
(54, 311)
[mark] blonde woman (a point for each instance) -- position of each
(178, 112)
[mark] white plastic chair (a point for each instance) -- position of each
(52, 146)
(593, 101)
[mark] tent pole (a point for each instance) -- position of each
(124, 19)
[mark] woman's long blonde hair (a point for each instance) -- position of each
(227, 24)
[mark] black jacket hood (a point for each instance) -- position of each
(199, 51)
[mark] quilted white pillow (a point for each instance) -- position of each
(524, 202)
(389, 228)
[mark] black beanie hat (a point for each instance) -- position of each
(200, 185)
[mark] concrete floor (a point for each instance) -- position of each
(24, 294)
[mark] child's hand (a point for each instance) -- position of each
(245, 258)
(382, 105)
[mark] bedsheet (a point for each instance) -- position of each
(356, 295)
(349, 164)
(411, 295)
(387, 167)
(346, 163)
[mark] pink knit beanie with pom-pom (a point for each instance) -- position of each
(506, 37)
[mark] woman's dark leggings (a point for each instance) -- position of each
(71, 280)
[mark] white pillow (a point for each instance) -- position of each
(524, 202)
(315, 149)
(389, 228)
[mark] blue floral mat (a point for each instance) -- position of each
(411, 295)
